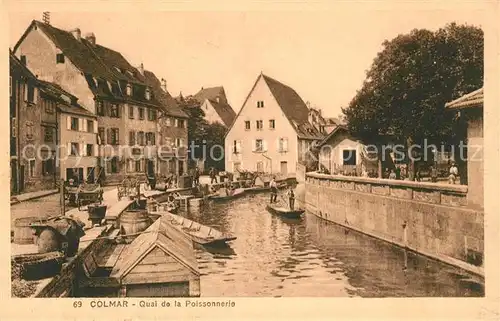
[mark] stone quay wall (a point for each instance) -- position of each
(429, 218)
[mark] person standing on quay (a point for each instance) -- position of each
(434, 174)
(213, 176)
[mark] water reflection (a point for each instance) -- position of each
(311, 257)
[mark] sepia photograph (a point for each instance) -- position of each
(229, 154)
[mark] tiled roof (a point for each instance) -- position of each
(225, 112)
(473, 99)
(334, 132)
(223, 109)
(99, 64)
(167, 102)
(160, 234)
(293, 107)
(65, 106)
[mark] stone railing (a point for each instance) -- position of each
(434, 193)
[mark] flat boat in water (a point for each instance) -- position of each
(199, 233)
(238, 192)
(284, 212)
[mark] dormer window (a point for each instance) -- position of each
(130, 73)
(60, 58)
(129, 90)
(95, 82)
(148, 94)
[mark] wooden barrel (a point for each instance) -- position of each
(48, 241)
(133, 222)
(23, 233)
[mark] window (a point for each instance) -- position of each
(131, 138)
(259, 124)
(100, 136)
(29, 130)
(247, 125)
(74, 123)
(131, 112)
(90, 126)
(129, 90)
(178, 142)
(283, 145)
(23, 59)
(48, 134)
(168, 122)
(31, 168)
(150, 139)
(271, 124)
(259, 145)
(180, 123)
(140, 138)
(114, 138)
(60, 58)
(236, 147)
(14, 127)
(138, 166)
(48, 167)
(29, 93)
(151, 114)
(90, 150)
(349, 156)
(100, 108)
(147, 95)
(49, 107)
(141, 113)
(260, 104)
(115, 111)
(74, 149)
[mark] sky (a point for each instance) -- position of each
(322, 54)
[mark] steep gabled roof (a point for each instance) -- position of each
(16, 66)
(99, 64)
(225, 112)
(223, 109)
(160, 234)
(292, 106)
(470, 100)
(167, 102)
(339, 128)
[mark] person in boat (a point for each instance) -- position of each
(274, 189)
(291, 198)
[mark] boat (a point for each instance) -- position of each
(258, 189)
(238, 192)
(284, 212)
(199, 233)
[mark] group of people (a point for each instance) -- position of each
(397, 173)
(274, 193)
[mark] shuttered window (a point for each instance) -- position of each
(131, 138)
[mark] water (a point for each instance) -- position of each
(273, 257)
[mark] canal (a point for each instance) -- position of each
(273, 257)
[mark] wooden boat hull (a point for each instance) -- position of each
(283, 212)
(199, 233)
(263, 189)
(236, 195)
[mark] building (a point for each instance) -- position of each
(172, 130)
(340, 153)
(160, 262)
(77, 134)
(107, 86)
(215, 106)
(469, 109)
(33, 131)
(271, 132)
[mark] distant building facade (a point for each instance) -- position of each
(271, 132)
(215, 105)
(109, 87)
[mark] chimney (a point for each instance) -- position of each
(164, 84)
(46, 17)
(141, 68)
(76, 33)
(90, 37)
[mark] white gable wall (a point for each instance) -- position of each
(211, 114)
(40, 54)
(248, 159)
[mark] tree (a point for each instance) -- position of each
(409, 83)
(215, 145)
